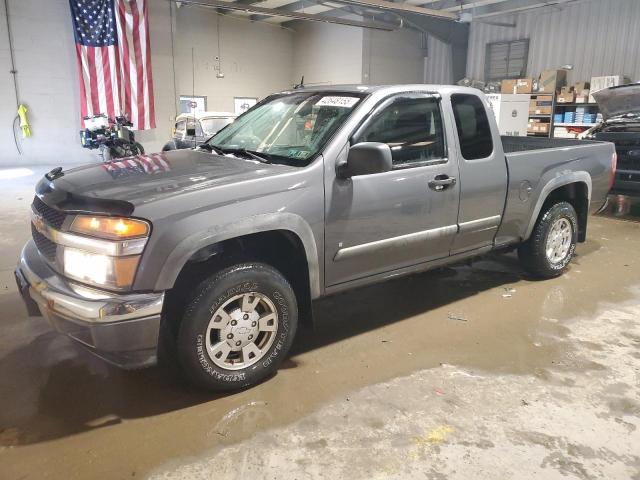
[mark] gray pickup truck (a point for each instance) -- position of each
(207, 258)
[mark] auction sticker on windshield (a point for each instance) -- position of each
(346, 102)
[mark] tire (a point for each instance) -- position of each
(214, 353)
(168, 147)
(137, 146)
(556, 231)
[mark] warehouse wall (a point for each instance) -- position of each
(437, 63)
(48, 82)
(256, 57)
(326, 53)
(46, 67)
(599, 37)
(392, 57)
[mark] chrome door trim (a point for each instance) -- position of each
(394, 242)
(480, 224)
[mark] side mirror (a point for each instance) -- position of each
(191, 132)
(366, 158)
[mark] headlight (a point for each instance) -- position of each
(98, 269)
(110, 227)
(107, 252)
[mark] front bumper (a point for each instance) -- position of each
(121, 328)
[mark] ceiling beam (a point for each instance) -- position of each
(473, 5)
(294, 6)
(401, 8)
(515, 6)
(270, 12)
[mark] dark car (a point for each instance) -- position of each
(620, 107)
(192, 130)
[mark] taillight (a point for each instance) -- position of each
(614, 165)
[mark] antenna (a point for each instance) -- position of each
(299, 85)
(193, 93)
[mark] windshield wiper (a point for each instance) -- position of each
(261, 157)
(211, 148)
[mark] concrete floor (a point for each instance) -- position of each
(471, 372)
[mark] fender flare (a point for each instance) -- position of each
(293, 223)
(553, 184)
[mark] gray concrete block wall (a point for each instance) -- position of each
(257, 60)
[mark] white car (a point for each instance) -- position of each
(192, 130)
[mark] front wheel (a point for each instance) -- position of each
(552, 244)
(237, 328)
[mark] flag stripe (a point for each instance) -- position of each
(83, 90)
(148, 69)
(93, 81)
(106, 78)
(135, 20)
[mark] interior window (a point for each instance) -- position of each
(411, 126)
(473, 126)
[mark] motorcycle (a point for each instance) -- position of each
(111, 137)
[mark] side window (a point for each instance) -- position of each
(199, 130)
(473, 127)
(180, 127)
(411, 126)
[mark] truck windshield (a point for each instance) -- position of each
(289, 128)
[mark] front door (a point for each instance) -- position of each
(381, 222)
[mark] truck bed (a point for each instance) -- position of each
(522, 144)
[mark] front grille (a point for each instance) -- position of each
(52, 216)
(45, 246)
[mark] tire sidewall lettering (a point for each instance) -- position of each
(276, 349)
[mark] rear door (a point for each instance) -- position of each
(483, 173)
(380, 222)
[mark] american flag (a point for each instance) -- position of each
(114, 59)
(140, 165)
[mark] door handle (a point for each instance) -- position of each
(441, 182)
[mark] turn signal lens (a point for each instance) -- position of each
(110, 227)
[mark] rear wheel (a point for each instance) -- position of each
(552, 244)
(237, 328)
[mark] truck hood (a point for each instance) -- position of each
(617, 101)
(118, 186)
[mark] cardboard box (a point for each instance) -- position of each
(541, 127)
(583, 98)
(580, 87)
(524, 85)
(552, 80)
(600, 83)
(519, 85)
(567, 97)
(541, 111)
(508, 86)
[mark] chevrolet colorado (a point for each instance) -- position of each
(208, 257)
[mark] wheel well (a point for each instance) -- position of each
(577, 194)
(281, 249)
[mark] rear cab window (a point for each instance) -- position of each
(472, 124)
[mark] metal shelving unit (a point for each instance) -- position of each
(544, 116)
(561, 108)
